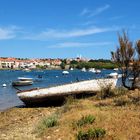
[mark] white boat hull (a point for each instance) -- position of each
(38, 96)
(22, 83)
(25, 79)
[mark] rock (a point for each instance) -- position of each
(3, 135)
(136, 90)
(57, 130)
(48, 137)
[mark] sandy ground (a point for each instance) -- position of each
(19, 123)
(120, 122)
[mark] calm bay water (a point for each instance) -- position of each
(8, 97)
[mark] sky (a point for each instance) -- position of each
(65, 28)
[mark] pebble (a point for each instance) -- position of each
(3, 135)
(48, 137)
(136, 90)
(57, 130)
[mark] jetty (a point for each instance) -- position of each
(40, 96)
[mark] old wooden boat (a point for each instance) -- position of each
(47, 95)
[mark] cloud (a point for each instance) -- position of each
(9, 32)
(116, 17)
(99, 10)
(88, 23)
(85, 11)
(6, 33)
(91, 13)
(60, 34)
(14, 32)
(79, 44)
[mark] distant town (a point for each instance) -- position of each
(48, 63)
(20, 63)
(78, 62)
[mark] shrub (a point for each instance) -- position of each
(70, 101)
(120, 91)
(47, 122)
(91, 134)
(89, 119)
(122, 101)
(135, 98)
(106, 91)
(50, 121)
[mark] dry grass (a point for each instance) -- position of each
(120, 122)
(19, 123)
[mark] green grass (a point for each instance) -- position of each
(88, 119)
(91, 134)
(47, 122)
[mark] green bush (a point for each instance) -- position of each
(89, 119)
(106, 91)
(96, 64)
(91, 134)
(47, 122)
(50, 121)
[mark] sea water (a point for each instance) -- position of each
(41, 78)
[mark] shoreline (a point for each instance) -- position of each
(120, 122)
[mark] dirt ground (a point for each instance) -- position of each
(120, 122)
(19, 123)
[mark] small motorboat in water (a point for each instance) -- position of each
(22, 83)
(115, 69)
(71, 69)
(65, 72)
(98, 71)
(92, 70)
(4, 85)
(25, 79)
(26, 70)
(113, 75)
(83, 69)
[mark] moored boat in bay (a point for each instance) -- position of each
(22, 83)
(25, 79)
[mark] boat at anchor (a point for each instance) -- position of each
(25, 79)
(22, 83)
